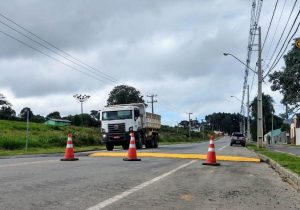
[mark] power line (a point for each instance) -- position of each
(81, 64)
(277, 45)
(271, 44)
(71, 67)
(278, 57)
(269, 25)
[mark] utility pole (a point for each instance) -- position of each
(272, 140)
(27, 129)
(189, 125)
(259, 95)
(177, 128)
(248, 115)
(81, 99)
(152, 101)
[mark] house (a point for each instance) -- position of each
(295, 129)
(58, 122)
(275, 136)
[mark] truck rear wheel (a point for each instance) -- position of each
(149, 142)
(110, 146)
(156, 141)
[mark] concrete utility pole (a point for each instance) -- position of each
(152, 101)
(272, 140)
(189, 125)
(259, 95)
(248, 115)
(27, 130)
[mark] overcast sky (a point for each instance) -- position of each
(169, 48)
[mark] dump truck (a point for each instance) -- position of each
(118, 121)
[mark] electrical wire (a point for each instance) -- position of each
(45, 54)
(275, 32)
(274, 10)
(280, 56)
(277, 45)
(81, 63)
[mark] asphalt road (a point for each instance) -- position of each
(153, 183)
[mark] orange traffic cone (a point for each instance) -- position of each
(69, 154)
(211, 154)
(132, 150)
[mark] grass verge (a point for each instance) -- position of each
(288, 161)
(50, 150)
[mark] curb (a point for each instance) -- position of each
(286, 174)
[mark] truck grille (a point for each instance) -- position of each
(116, 128)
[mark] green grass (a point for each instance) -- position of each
(288, 161)
(13, 135)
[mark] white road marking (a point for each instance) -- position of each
(223, 147)
(118, 197)
(27, 163)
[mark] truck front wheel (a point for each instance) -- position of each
(125, 145)
(109, 146)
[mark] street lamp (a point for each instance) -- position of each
(259, 90)
(81, 99)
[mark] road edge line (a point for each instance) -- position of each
(122, 195)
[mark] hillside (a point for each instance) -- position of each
(13, 135)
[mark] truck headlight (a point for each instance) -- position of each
(104, 135)
(131, 129)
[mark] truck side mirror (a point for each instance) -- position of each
(136, 114)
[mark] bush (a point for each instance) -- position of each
(10, 144)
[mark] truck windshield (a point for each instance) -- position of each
(117, 115)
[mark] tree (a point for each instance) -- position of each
(124, 94)
(7, 113)
(23, 113)
(54, 115)
(226, 122)
(287, 81)
(3, 101)
(268, 111)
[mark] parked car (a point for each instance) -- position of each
(238, 138)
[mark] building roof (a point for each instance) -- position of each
(60, 120)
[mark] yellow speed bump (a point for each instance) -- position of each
(172, 155)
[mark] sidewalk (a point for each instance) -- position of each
(290, 149)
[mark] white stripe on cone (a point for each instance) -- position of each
(211, 149)
(69, 145)
(211, 142)
(132, 146)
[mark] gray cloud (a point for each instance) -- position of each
(172, 48)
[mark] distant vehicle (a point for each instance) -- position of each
(119, 120)
(238, 138)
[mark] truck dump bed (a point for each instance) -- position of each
(152, 121)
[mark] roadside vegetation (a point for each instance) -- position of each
(45, 139)
(290, 162)
(170, 135)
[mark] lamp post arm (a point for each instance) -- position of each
(226, 54)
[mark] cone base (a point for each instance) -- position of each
(126, 159)
(211, 164)
(69, 159)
